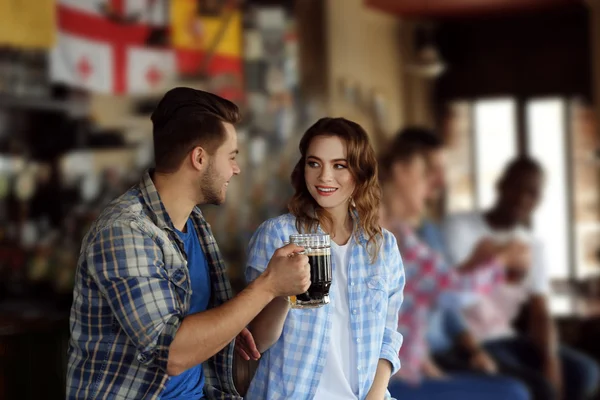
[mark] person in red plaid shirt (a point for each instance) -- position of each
(430, 284)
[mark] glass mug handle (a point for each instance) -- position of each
(292, 299)
(286, 242)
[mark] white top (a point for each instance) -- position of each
(339, 380)
(491, 317)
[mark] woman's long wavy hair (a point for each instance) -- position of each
(362, 164)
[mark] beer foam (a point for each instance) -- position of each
(319, 252)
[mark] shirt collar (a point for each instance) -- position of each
(159, 214)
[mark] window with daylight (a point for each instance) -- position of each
(495, 145)
(546, 142)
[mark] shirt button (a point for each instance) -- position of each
(142, 358)
(357, 340)
(358, 368)
(354, 311)
(351, 283)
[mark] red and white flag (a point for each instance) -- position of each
(149, 12)
(146, 68)
(82, 63)
(145, 12)
(102, 46)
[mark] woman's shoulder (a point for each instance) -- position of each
(389, 260)
(281, 220)
(387, 245)
(388, 238)
(270, 235)
(283, 224)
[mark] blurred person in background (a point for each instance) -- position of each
(446, 325)
(450, 343)
(432, 147)
(551, 371)
(153, 314)
(349, 348)
(403, 172)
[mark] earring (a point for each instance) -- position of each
(351, 201)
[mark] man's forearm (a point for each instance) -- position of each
(542, 330)
(268, 325)
(543, 333)
(202, 335)
(381, 381)
(467, 342)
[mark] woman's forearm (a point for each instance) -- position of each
(380, 383)
(268, 325)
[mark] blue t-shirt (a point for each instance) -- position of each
(190, 383)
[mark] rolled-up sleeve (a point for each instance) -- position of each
(392, 339)
(127, 265)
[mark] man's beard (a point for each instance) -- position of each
(209, 187)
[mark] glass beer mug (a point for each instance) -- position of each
(318, 249)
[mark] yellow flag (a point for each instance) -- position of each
(28, 23)
(196, 32)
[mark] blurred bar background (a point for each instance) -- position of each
(79, 79)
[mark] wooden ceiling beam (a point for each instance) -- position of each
(462, 8)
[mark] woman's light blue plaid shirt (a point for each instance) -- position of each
(291, 369)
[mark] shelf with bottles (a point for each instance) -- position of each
(25, 84)
(24, 72)
(47, 103)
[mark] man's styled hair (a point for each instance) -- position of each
(186, 118)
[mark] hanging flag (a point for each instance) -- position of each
(142, 12)
(149, 12)
(84, 63)
(28, 23)
(146, 68)
(119, 30)
(197, 31)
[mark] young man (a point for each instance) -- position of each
(153, 314)
(448, 332)
(549, 370)
(433, 148)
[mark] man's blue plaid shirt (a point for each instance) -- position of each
(131, 293)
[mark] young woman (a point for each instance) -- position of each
(349, 348)
(405, 185)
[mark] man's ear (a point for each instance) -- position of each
(398, 170)
(199, 158)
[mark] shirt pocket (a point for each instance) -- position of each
(180, 287)
(175, 266)
(170, 262)
(178, 277)
(377, 293)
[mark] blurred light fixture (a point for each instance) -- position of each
(426, 62)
